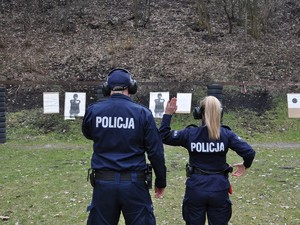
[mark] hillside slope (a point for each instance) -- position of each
(82, 40)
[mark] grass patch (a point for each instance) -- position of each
(43, 184)
(46, 184)
(273, 125)
(33, 125)
(45, 160)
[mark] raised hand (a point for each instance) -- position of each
(171, 106)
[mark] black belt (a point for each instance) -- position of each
(205, 172)
(109, 175)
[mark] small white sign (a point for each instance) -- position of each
(51, 102)
(184, 102)
(293, 100)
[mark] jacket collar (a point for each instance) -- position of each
(122, 96)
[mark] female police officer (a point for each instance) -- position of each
(122, 132)
(207, 186)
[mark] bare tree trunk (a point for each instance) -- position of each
(199, 10)
(265, 14)
(254, 19)
(233, 3)
(240, 12)
(82, 5)
(203, 19)
(135, 12)
(207, 22)
(229, 18)
(246, 18)
(142, 12)
(67, 26)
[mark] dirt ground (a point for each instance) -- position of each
(268, 146)
(277, 145)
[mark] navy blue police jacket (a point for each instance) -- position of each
(205, 154)
(122, 132)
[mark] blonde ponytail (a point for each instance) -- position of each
(212, 116)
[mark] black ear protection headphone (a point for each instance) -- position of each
(199, 112)
(132, 88)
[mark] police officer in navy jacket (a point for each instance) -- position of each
(207, 186)
(123, 133)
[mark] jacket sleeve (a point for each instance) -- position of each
(155, 152)
(243, 149)
(87, 124)
(171, 137)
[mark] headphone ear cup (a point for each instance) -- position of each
(197, 113)
(105, 89)
(132, 89)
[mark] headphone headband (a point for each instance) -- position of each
(122, 69)
(132, 86)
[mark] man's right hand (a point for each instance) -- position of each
(159, 192)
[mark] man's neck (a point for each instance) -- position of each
(123, 92)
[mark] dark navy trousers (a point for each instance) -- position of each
(110, 198)
(199, 204)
